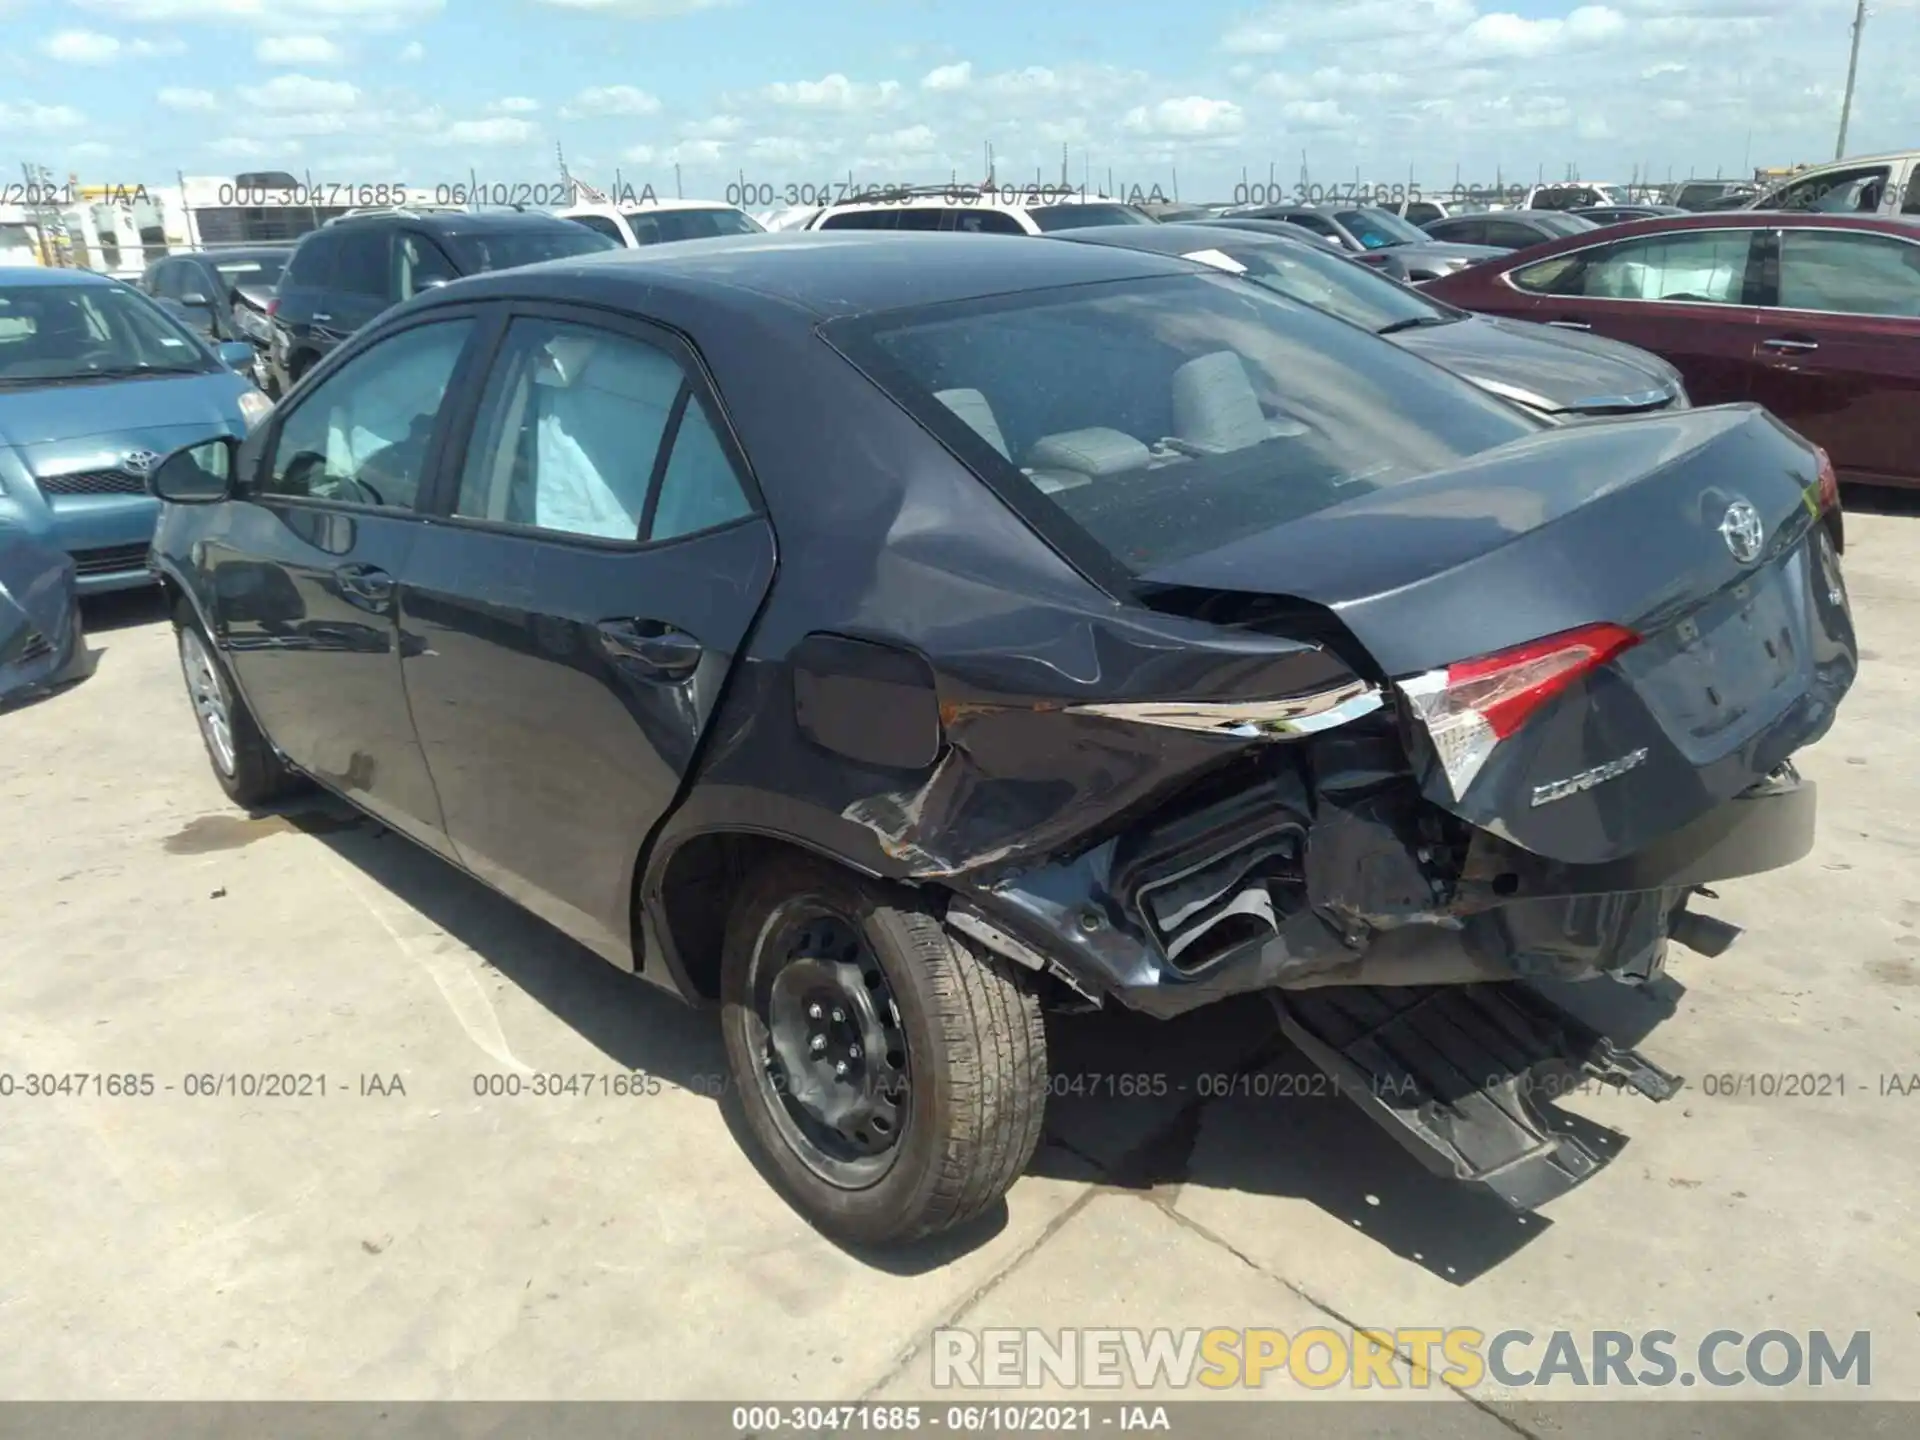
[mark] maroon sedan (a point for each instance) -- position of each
(1817, 317)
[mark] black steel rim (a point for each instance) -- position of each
(833, 1063)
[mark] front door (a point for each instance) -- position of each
(1837, 354)
(306, 575)
(579, 610)
(1689, 296)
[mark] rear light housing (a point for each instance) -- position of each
(1829, 483)
(1472, 705)
(273, 307)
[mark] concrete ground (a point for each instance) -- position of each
(412, 1239)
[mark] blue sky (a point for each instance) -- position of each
(421, 91)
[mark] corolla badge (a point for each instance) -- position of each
(139, 462)
(1743, 531)
(1587, 779)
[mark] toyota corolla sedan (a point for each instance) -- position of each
(886, 638)
(96, 383)
(1550, 371)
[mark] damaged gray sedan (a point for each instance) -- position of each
(889, 638)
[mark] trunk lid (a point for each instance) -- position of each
(1743, 652)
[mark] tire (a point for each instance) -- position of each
(973, 1077)
(242, 761)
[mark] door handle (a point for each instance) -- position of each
(365, 586)
(1570, 324)
(1790, 342)
(658, 651)
(318, 317)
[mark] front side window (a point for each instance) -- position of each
(986, 222)
(361, 436)
(1376, 229)
(862, 220)
(572, 434)
(72, 334)
(312, 261)
(1460, 231)
(655, 227)
(1849, 273)
(1161, 418)
(1702, 267)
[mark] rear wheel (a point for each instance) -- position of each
(895, 1078)
(243, 762)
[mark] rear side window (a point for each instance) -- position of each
(362, 266)
(1911, 205)
(1461, 232)
(600, 225)
(586, 432)
(1702, 267)
(986, 222)
(862, 220)
(1077, 217)
(1849, 273)
(312, 261)
(503, 249)
(654, 227)
(1162, 418)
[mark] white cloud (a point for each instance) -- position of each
(297, 50)
(1193, 115)
(179, 98)
(948, 77)
(640, 9)
(412, 51)
(241, 147)
(292, 93)
(639, 155)
(499, 130)
(610, 100)
(290, 15)
(514, 105)
(39, 119)
(81, 47)
(834, 92)
(714, 127)
(90, 150)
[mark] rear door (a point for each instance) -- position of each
(362, 284)
(306, 571)
(1689, 296)
(1837, 353)
(578, 611)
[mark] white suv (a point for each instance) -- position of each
(658, 221)
(963, 209)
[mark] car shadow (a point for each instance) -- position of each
(123, 609)
(1216, 1099)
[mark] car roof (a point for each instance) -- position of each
(30, 276)
(447, 222)
(827, 274)
(642, 207)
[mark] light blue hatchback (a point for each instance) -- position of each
(96, 383)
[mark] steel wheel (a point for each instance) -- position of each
(212, 706)
(834, 1067)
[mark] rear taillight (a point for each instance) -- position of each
(1829, 481)
(1472, 705)
(273, 307)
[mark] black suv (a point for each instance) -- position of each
(350, 270)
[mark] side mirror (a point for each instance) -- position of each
(195, 300)
(200, 474)
(235, 355)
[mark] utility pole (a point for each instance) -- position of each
(1853, 66)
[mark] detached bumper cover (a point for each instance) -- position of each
(42, 640)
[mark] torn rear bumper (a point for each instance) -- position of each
(1510, 914)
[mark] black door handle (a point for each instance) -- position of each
(658, 651)
(366, 586)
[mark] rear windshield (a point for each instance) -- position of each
(1078, 217)
(655, 227)
(253, 270)
(503, 249)
(1163, 418)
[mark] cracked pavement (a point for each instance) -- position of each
(407, 1235)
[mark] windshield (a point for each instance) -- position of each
(503, 249)
(1314, 277)
(1376, 229)
(254, 270)
(1078, 217)
(654, 227)
(1163, 418)
(85, 332)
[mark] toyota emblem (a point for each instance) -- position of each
(1742, 530)
(139, 462)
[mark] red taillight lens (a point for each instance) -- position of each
(1472, 705)
(273, 307)
(1829, 481)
